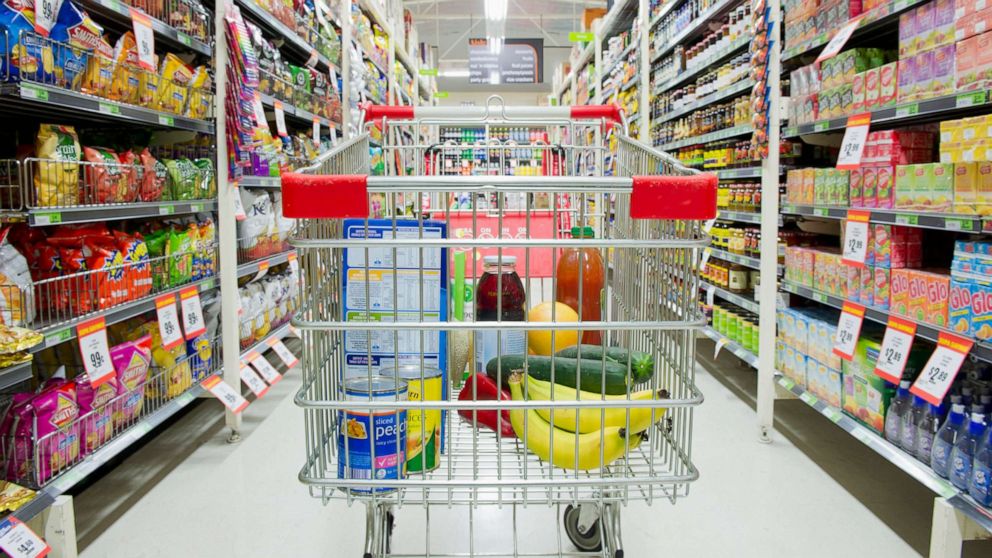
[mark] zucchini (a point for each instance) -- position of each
(590, 372)
(641, 364)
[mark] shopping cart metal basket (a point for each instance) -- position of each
(384, 339)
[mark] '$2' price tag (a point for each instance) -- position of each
(852, 147)
(894, 352)
(189, 301)
(95, 350)
(168, 321)
(938, 374)
(848, 330)
(856, 238)
(17, 540)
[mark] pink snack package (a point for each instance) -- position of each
(17, 450)
(131, 361)
(95, 406)
(54, 410)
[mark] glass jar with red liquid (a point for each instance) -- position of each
(499, 296)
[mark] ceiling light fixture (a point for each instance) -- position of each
(496, 10)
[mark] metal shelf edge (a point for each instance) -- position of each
(973, 224)
(251, 267)
(40, 217)
(734, 348)
(739, 300)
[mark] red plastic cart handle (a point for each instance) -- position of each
(389, 112)
(595, 112)
(690, 198)
(314, 196)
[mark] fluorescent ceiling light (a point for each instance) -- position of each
(496, 10)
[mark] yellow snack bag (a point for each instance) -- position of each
(149, 84)
(199, 95)
(176, 78)
(124, 84)
(99, 69)
(56, 177)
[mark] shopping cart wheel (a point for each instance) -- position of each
(588, 540)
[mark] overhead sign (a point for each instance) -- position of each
(517, 61)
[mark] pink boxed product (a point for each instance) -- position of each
(869, 185)
(965, 64)
(131, 361)
(881, 292)
(942, 78)
(906, 78)
(885, 187)
(867, 287)
(95, 411)
(855, 193)
(853, 276)
(872, 88)
(888, 84)
(858, 92)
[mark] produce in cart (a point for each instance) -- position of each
(596, 376)
(592, 419)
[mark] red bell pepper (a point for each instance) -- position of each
(480, 387)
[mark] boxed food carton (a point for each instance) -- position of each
(855, 182)
(899, 291)
(809, 186)
(906, 78)
(940, 177)
(885, 190)
(866, 396)
(916, 305)
(907, 34)
(869, 185)
(882, 288)
(904, 188)
(853, 277)
(981, 311)
(984, 203)
(965, 188)
(867, 287)
(858, 93)
(923, 81)
(820, 186)
(873, 89)
(924, 38)
(942, 76)
(938, 292)
(888, 84)
(944, 22)
(881, 244)
(959, 307)
(966, 64)
(921, 190)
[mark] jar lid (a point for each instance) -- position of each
(495, 260)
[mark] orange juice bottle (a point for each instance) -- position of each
(589, 261)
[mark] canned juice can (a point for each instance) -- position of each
(733, 320)
(423, 427)
(372, 445)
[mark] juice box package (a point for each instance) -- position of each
(959, 307)
(881, 244)
(906, 78)
(870, 393)
(855, 194)
(885, 187)
(925, 20)
(907, 33)
(904, 187)
(943, 22)
(867, 287)
(858, 92)
(809, 185)
(873, 90)
(965, 188)
(832, 386)
(899, 291)
(940, 177)
(921, 190)
(981, 311)
(882, 288)
(853, 276)
(869, 184)
(888, 84)
(966, 64)
(984, 203)
(916, 305)
(942, 75)
(923, 80)
(938, 292)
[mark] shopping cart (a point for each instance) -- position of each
(379, 255)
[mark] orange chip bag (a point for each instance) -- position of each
(153, 177)
(105, 179)
(110, 285)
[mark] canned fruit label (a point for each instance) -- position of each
(362, 435)
(423, 427)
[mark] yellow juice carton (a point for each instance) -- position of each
(921, 192)
(983, 203)
(905, 175)
(965, 187)
(941, 181)
(809, 186)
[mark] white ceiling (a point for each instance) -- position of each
(448, 24)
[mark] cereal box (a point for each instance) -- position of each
(981, 311)
(941, 180)
(899, 291)
(916, 306)
(938, 292)
(959, 307)
(882, 288)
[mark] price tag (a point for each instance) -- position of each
(710, 293)
(19, 541)
(288, 358)
(848, 330)
(263, 268)
(719, 345)
(280, 119)
(894, 353)
(45, 14)
(260, 120)
(853, 145)
(168, 321)
(93, 346)
(293, 263)
(189, 303)
(312, 60)
(939, 372)
(707, 252)
(254, 383)
(316, 130)
(856, 238)
(239, 208)
(839, 39)
(227, 395)
(263, 367)
(144, 37)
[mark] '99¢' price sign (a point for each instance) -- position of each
(95, 350)
(939, 373)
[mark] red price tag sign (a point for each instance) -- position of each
(280, 119)
(95, 350)
(263, 367)
(856, 238)
(894, 353)
(254, 383)
(168, 321)
(144, 38)
(839, 39)
(227, 395)
(945, 362)
(17, 540)
(189, 303)
(288, 358)
(263, 268)
(848, 330)
(853, 145)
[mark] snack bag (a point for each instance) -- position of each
(129, 161)
(16, 286)
(95, 410)
(206, 179)
(205, 248)
(153, 178)
(99, 73)
(56, 440)
(199, 93)
(56, 177)
(110, 287)
(131, 363)
(182, 175)
(176, 78)
(180, 256)
(171, 374)
(149, 85)
(105, 180)
(75, 28)
(124, 82)
(33, 59)
(156, 243)
(138, 277)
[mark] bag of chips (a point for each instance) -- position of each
(174, 90)
(16, 286)
(96, 404)
(132, 360)
(179, 252)
(200, 97)
(27, 55)
(131, 172)
(56, 176)
(138, 277)
(182, 177)
(206, 179)
(105, 179)
(153, 177)
(51, 430)
(125, 83)
(72, 36)
(110, 285)
(170, 373)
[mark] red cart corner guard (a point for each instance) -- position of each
(674, 197)
(314, 196)
(584, 112)
(377, 112)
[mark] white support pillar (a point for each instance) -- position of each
(644, 69)
(226, 226)
(950, 529)
(769, 235)
(597, 57)
(57, 525)
(346, 68)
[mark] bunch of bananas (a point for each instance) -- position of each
(576, 440)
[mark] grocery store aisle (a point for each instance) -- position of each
(245, 501)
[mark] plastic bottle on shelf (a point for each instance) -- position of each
(963, 454)
(893, 418)
(926, 431)
(910, 420)
(944, 441)
(589, 263)
(980, 485)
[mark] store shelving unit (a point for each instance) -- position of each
(111, 212)
(735, 349)
(740, 300)
(735, 132)
(938, 221)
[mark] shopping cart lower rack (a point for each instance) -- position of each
(609, 259)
